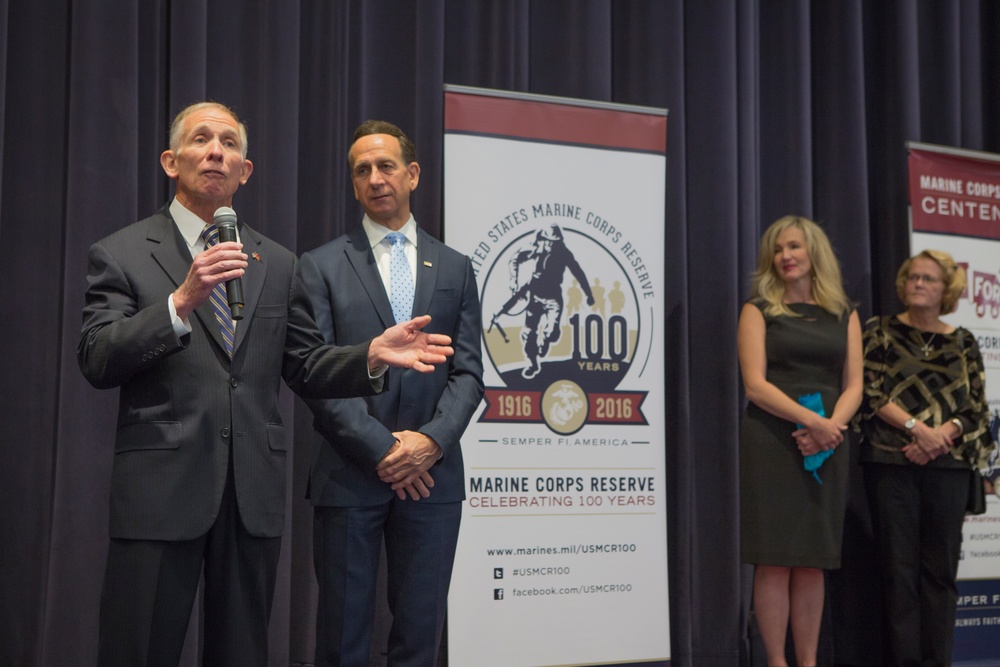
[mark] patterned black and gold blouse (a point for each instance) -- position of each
(935, 378)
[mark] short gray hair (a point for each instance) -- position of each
(177, 126)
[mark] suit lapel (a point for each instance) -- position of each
(359, 254)
(253, 280)
(167, 246)
(428, 250)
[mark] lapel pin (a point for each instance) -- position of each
(426, 263)
(256, 256)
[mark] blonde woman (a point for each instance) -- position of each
(799, 339)
(926, 424)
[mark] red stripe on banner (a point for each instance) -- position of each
(525, 119)
(954, 194)
(620, 407)
(505, 405)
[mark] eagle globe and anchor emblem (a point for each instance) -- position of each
(561, 326)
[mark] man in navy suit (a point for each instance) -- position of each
(390, 466)
(198, 478)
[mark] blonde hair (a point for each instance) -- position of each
(177, 127)
(953, 276)
(827, 285)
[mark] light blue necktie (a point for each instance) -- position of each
(218, 298)
(400, 279)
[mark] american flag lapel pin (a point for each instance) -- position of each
(256, 256)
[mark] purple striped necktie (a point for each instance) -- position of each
(218, 298)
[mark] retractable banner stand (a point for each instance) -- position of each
(562, 555)
(955, 207)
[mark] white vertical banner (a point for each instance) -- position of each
(955, 207)
(562, 553)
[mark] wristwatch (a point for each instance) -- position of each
(910, 423)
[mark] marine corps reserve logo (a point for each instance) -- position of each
(561, 326)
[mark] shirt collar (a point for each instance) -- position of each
(190, 225)
(377, 232)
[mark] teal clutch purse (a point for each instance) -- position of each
(813, 462)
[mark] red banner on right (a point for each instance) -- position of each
(955, 207)
(955, 193)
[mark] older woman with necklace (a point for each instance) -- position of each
(925, 422)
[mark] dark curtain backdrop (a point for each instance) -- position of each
(775, 107)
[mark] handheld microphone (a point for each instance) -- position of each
(225, 221)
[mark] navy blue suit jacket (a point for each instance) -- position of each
(351, 306)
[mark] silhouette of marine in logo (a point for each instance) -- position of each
(536, 282)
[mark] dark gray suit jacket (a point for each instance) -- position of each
(182, 402)
(350, 303)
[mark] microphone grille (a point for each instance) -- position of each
(224, 217)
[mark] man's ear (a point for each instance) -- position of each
(414, 170)
(245, 171)
(169, 163)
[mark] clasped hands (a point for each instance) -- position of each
(818, 435)
(407, 462)
(928, 443)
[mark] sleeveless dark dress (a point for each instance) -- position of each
(788, 518)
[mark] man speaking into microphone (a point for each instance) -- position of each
(198, 478)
